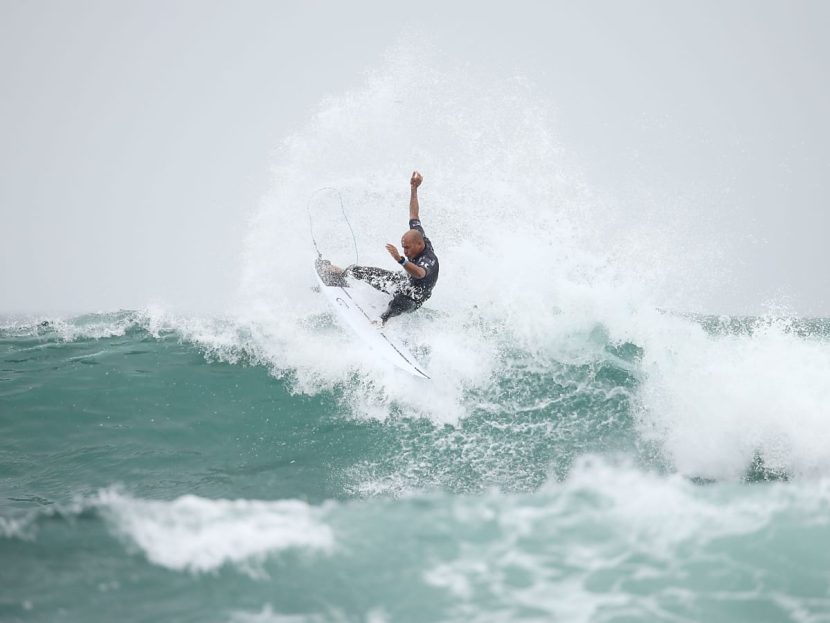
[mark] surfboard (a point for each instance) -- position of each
(356, 305)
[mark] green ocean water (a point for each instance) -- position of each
(151, 471)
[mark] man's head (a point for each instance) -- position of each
(412, 243)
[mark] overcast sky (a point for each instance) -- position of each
(136, 137)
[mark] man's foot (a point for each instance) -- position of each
(330, 268)
(377, 323)
(330, 274)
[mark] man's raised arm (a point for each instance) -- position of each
(414, 182)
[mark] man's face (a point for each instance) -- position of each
(411, 246)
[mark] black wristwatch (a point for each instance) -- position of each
(402, 261)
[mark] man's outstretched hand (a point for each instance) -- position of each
(416, 179)
(393, 251)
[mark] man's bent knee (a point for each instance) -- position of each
(399, 304)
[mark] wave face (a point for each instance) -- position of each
(579, 455)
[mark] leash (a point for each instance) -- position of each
(345, 217)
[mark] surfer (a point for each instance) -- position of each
(411, 288)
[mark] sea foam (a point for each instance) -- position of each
(200, 534)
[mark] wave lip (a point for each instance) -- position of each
(198, 534)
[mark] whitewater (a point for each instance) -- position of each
(594, 445)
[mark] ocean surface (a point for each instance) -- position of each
(158, 469)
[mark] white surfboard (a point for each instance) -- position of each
(356, 306)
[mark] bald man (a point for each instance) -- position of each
(411, 288)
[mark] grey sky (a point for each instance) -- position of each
(136, 137)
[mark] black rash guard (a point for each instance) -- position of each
(426, 260)
(408, 293)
